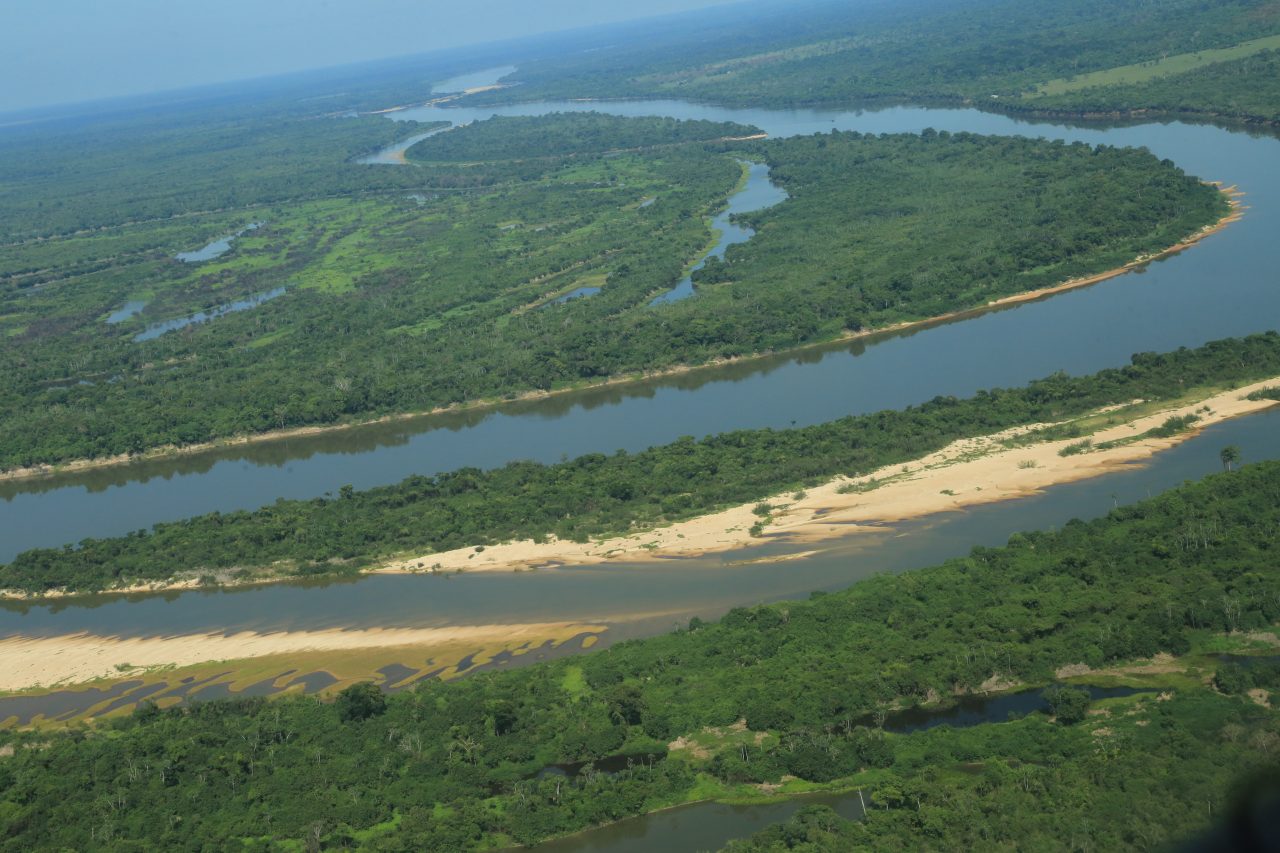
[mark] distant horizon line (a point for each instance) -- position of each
(19, 116)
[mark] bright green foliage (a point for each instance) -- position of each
(410, 301)
(451, 766)
(918, 226)
(598, 495)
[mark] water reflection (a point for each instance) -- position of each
(1078, 332)
(217, 248)
(155, 330)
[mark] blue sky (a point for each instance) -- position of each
(55, 51)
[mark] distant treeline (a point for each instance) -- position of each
(564, 134)
(1246, 90)
(597, 495)
(917, 51)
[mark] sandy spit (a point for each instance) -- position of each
(28, 662)
(170, 451)
(966, 473)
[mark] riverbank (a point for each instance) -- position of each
(967, 473)
(173, 451)
(42, 662)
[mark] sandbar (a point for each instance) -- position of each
(30, 662)
(966, 473)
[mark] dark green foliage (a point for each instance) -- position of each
(394, 305)
(598, 495)
(360, 702)
(917, 50)
(1245, 89)
(1068, 704)
(1174, 425)
(1232, 678)
(565, 134)
(452, 766)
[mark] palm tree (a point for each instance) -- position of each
(1229, 456)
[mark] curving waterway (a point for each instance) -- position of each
(1224, 287)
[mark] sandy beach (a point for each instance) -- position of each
(29, 662)
(170, 451)
(966, 473)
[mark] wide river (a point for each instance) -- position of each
(1224, 287)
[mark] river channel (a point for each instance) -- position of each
(1224, 287)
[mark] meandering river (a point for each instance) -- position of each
(1225, 287)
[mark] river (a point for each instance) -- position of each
(1224, 287)
(1183, 300)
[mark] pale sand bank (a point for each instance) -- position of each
(967, 473)
(28, 662)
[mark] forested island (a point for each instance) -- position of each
(599, 495)
(792, 691)
(186, 270)
(392, 304)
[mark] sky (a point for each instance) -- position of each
(59, 51)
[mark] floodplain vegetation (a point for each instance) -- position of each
(788, 697)
(442, 289)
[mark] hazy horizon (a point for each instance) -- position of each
(80, 50)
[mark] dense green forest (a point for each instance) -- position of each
(563, 134)
(598, 495)
(920, 50)
(454, 766)
(1246, 89)
(416, 300)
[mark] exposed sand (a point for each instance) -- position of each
(964, 474)
(28, 662)
(170, 451)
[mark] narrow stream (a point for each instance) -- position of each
(758, 193)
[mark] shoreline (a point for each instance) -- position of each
(40, 663)
(967, 473)
(168, 452)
